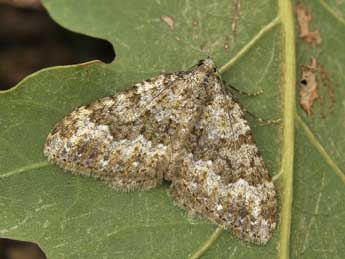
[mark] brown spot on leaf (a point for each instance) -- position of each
(304, 18)
(236, 18)
(204, 48)
(326, 81)
(308, 86)
(227, 44)
(195, 23)
(309, 90)
(169, 21)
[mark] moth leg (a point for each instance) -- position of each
(257, 93)
(262, 121)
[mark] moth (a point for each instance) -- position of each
(180, 127)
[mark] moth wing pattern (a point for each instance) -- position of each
(180, 127)
(222, 175)
(92, 140)
(124, 140)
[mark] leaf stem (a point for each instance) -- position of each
(209, 242)
(288, 84)
(250, 44)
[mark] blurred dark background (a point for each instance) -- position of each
(14, 249)
(30, 40)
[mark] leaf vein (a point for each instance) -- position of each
(320, 148)
(208, 243)
(25, 168)
(332, 12)
(267, 28)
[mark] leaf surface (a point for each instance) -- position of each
(75, 217)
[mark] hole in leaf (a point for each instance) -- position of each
(31, 40)
(303, 82)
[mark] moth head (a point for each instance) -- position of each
(204, 70)
(207, 66)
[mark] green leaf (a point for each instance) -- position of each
(75, 217)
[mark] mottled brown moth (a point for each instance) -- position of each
(183, 128)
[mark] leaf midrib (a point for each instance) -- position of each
(288, 134)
